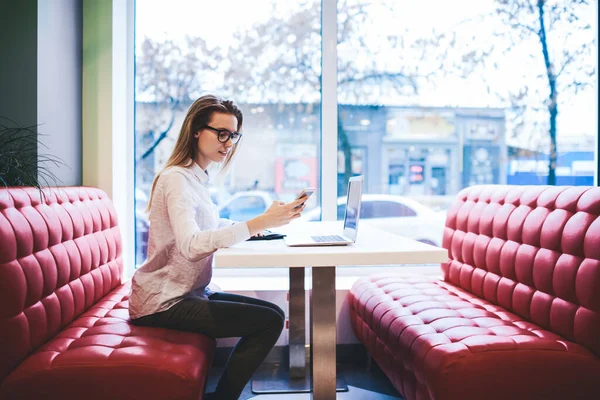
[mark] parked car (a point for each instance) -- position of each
(242, 206)
(219, 195)
(396, 214)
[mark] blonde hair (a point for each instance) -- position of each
(196, 119)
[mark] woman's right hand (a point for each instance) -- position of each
(278, 214)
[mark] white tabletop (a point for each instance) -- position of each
(372, 247)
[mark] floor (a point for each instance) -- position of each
(363, 384)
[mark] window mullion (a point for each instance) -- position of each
(329, 110)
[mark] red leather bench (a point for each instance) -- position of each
(64, 321)
(517, 312)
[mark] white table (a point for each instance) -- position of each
(373, 247)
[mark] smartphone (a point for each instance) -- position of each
(305, 193)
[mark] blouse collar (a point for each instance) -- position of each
(199, 172)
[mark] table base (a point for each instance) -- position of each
(276, 380)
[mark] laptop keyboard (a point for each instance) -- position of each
(328, 238)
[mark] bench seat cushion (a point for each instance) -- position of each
(436, 341)
(101, 355)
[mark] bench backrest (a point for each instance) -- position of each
(59, 254)
(533, 250)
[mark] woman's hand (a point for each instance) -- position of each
(278, 214)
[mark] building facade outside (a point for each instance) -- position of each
(411, 151)
(414, 151)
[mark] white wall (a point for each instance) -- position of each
(107, 109)
(97, 132)
(59, 86)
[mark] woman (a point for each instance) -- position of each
(170, 289)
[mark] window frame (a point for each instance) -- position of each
(329, 111)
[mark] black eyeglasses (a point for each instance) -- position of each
(224, 135)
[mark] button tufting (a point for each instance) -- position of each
(63, 309)
(522, 282)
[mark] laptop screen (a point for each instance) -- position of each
(353, 207)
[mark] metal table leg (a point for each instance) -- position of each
(323, 333)
(297, 331)
(296, 380)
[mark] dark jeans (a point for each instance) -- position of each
(257, 322)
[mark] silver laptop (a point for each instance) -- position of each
(351, 216)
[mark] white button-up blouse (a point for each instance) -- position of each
(185, 231)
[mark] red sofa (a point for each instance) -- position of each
(517, 312)
(64, 321)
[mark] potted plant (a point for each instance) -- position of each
(20, 162)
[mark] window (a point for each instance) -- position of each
(341, 210)
(267, 59)
(438, 89)
(427, 102)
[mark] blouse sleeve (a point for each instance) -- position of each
(192, 242)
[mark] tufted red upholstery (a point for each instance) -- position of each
(65, 331)
(517, 314)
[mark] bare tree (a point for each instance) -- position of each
(167, 79)
(549, 39)
(279, 60)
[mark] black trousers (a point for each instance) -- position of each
(258, 323)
